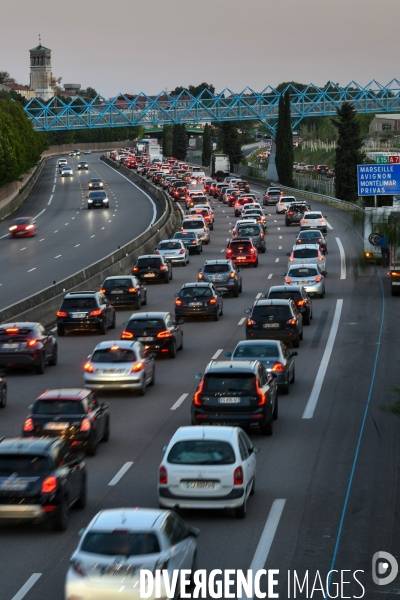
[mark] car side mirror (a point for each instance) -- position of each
(81, 531)
(283, 274)
(294, 353)
(164, 448)
(247, 311)
(254, 449)
(176, 295)
(30, 406)
(103, 406)
(228, 354)
(192, 532)
(198, 376)
(89, 356)
(263, 296)
(181, 321)
(199, 270)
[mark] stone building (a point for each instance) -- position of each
(41, 77)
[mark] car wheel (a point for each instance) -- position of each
(145, 299)
(60, 332)
(172, 353)
(106, 435)
(236, 292)
(201, 248)
(142, 389)
(40, 367)
(138, 304)
(296, 343)
(171, 276)
(92, 446)
(255, 265)
(114, 321)
(268, 428)
(181, 346)
(306, 320)
(284, 389)
(54, 357)
(301, 335)
(293, 376)
(153, 377)
(240, 288)
(166, 280)
(216, 316)
(60, 522)
(82, 500)
(253, 487)
(3, 398)
(241, 511)
(102, 328)
(89, 207)
(276, 410)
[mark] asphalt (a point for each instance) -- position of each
(336, 472)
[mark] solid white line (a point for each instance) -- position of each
(270, 276)
(27, 586)
(38, 215)
(55, 179)
(342, 259)
(121, 473)
(30, 270)
(218, 352)
(51, 198)
(179, 402)
(242, 321)
(54, 189)
(329, 226)
(315, 392)
(277, 260)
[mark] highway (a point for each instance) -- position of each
(70, 237)
(329, 472)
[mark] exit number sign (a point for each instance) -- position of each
(387, 160)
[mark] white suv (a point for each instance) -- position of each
(198, 225)
(314, 220)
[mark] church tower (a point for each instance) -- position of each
(41, 78)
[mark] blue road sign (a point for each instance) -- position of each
(381, 180)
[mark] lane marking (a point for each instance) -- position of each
(22, 249)
(270, 276)
(258, 295)
(54, 189)
(275, 221)
(93, 235)
(218, 352)
(280, 248)
(4, 236)
(277, 260)
(179, 402)
(42, 240)
(77, 245)
(329, 226)
(55, 179)
(30, 270)
(280, 237)
(58, 256)
(27, 586)
(38, 215)
(279, 228)
(315, 392)
(223, 250)
(66, 223)
(56, 231)
(242, 321)
(121, 473)
(342, 259)
(51, 198)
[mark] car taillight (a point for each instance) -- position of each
(200, 276)
(88, 367)
(182, 251)
(178, 302)
(229, 251)
(49, 485)
(132, 290)
(291, 322)
(156, 252)
(62, 313)
(238, 476)
(318, 279)
(102, 290)
(136, 368)
(126, 335)
(291, 259)
(288, 280)
(163, 475)
(321, 220)
(252, 250)
(32, 342)
(212, 301)
(164, 334)
(251, 322)
(300, 302)
(85, 425)
(135, 269)
(232, 275)
(95, 313)
(289, 212)
(196, 397)
(262, 398)
(77, 567)
(267, 196)
(28, 425)
(278, 367)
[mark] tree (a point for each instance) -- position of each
(284, 142)
(90, 93)
(179, 141)
(5, 78)
(229, 141)
(207, 147)
(195, 90)
(167, 140)
(348, 153)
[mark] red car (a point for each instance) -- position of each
(23, 227)
(242, 251)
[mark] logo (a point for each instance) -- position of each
(384, 568)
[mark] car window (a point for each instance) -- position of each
(302, 272)
(285, 295)
(201, 452)
(111, 284)
(243, 447)
(258, 350)
(116, 355)
(250, 230)
(280, 312)
(305, 253)
(97, 195)
(120, 543)
(168, 321)
(223, 268)
(192, 224)
(313, 216)
(196, 292)
(149, 262)
(24, 464)
(57, 407)
(142, 324)
(241, 246)
(237, 383)
(169, 246)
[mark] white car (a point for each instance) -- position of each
(174, 250)
(66, 171)
(198, 225)
(208, 467)
(283, 203)
(62, 161)
(307, 253)
(314, 220)
(118, 543)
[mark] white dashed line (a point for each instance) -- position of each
(103, 227)
(218, 352)
(54, 189)
(4, 236)
(30, 270)
(27, 586)
(258, 295)
(22, 249)
(56, 231)
(275, 221)
(51, 198)
(342, 259)
(179, 402)
(280, 237)
(277, 260)
(58, 256)
(270, 276)
(120, 473)
(38, 215)
(242, 321)
(77, 245)
(93, 235)
(280, 248)
(42, 240)
(222, 250)
(329, 226)
(66, 223)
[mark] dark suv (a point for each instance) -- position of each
(298, 294)
(124, 291)
(152, 267)
(274, 319)
(85, 310)
(158, 332)
(40, 480)
(199, 300)
(294, 213)
(239, 393)
(223, 274)
(27, 345)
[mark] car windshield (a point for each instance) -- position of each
(148, 262)
(120, 543)
(58, 407)
(196, 292)
(78, 304)
(184, 235)
(286, 295)
(216, 268)
(201, 452)
(113, 355)
(311, 234)
(225, 383)
(23, 464)
(95, 181)
(303, 272)
(143, 324)
(111, 284)
(279, 312)
(313, 216)
(97, 195)
(255, 351)
(248, 230)
(22, 221)
(305, 253)
(192, 225)
(170, 246)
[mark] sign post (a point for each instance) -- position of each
(379, 180)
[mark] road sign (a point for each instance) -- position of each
(388, 160)
(380, 180)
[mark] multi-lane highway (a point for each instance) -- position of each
(327, 488)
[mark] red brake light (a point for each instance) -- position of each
(229, 251)
(132, 290)
(164, 334)
(77, 567)
(127, 335)
(291, 321)
(136, 368)
(181, 251)
(238, 476)
(156, 252)
(32, 342)
(88, 367)
(28, 425)
(262, 398)
(200, 276)
(62, 313)
(135, 269)
(196, 397)
(12, 329)
(278, 367)
(163, 475)
(232, 275)
(178, 302)
(49, 485)
(102, 290)
(86, 425)
(250, 322)
(163, 268)
(212, 301)
(95, 313)
(301, 302)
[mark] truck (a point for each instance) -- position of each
(386, 220)
(220, 166)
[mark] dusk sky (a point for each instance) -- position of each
(131, 46)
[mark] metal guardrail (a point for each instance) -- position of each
(341, 204)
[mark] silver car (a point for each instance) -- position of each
(119, 365)
(66, 171)
(309, 276)
(197, 224)
(175, 250)
(307, 253)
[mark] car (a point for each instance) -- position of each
(255, 211)
(3, 390)
(153, 267)
(227, 193)
(252, 230)
(239, 394)
(272, 196)
(244, 186)
(298, 294)
(307, 253)
(322, 169)
(124, 290)
(41, 480)
(313, 236)
(233, 197)
(215, 188)
(309, 276)
(241, 202)
(314, 220)
(301, 167)
(71, 414)
(27, 345)
(230, 473)
(174, 250)
(85, 311)
(66, 171)
(206, 213)
(274, 319)
(95, 183)
(83, 165)
(273, 355)
(97, 199)
(242, 251)
(194, 199)
(158, 331)
(61, 162)
(120, 365)
(310, 168)
(23, 227)
(77, 152)
(196, 223)
(223, 274)
(294, 213)
(330, 173)
(200, 299)
(87, 152)
(191, 240)
(178, 192)
(283, 203)
(72, 153)
(118, 543)
(220, 191)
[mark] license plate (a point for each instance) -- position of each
(118, 570)
(202, 485)
(78, 315)
(113, 370)
(217, 278)
(149, 275)
(229, 400)
(14, 486)
(270, 325)
(145, 339)
(195, 304)
(117, 292)
(11, 346)
(56, 426)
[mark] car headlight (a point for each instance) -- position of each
(90, 201)
(105, 200)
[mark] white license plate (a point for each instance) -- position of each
(233, 400)
(11, 346)
(149, 275)
(14, 486)
(57, 426)
(217, 278)
(78, 315)
(117, 292)
(270, 325)
(145, 339)
(195, 304)
(202, 485)
(113, 370)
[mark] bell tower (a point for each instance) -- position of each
(41, 78)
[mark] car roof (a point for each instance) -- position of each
(307, 231)
(285, 288)
(273, 301)
(77, 394)
(225, 366)
(149, 315)
(149, 256)
(256, 342)
(119, 277)
(218, 261)
(210, 432)
(305, 265)
(303, 246)
(312, 211)
(26, 445)
(198, 284)
(126, 518)
(124, 344)
(19, 324)
(85, 294)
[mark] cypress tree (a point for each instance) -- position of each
(231, 143)
(167, 140)
(179, 141)
(284, 142)
(207, 147)
(348, 153)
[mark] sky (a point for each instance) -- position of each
(133, 46)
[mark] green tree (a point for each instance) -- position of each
(207, 147)
(230, 142)
(5, 78)
(348, 153)
(90, 93)
(195, 90)
(167, 139)
(284, 142)
(179, 141)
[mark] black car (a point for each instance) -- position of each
(243, 186)
(274, 319)
(179, 192)
(41, 479)
(298, 294)
(153, 267)
(223, 274)
(199, 300)
(124, 291)
(238, 394)
(97, 199)
(85, 310)
(71, 414)
(3, 391)
(158, 331)
(83, 165)
(27, 345)
(313, 236)
(294, 213)
(191, 240)
(95, 183)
